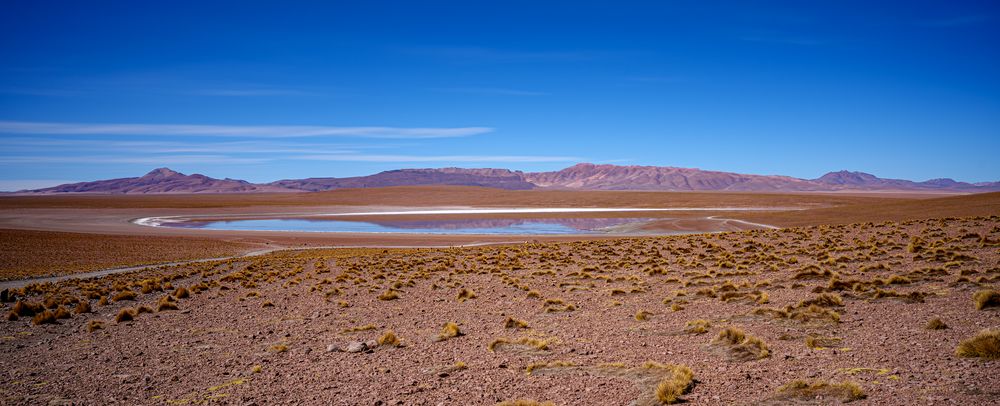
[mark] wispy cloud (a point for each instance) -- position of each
(251, 92)
(954, 21)
(145, 160)
(491, 91)
(21, 127)
(438, 158)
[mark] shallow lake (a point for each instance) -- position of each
(529, 226)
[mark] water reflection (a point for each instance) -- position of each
(528, 226)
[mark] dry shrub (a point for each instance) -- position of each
(94, 325)
(672, 386)
(986, 298)
(125, 314)
(450, 330)
(182, 293)
(389, 338)
(26, 309)
(389, 295)
(820, 343)
(62, 313)
(741, 346)
(45, 317)
(642, 315)
(699, 326)
(935, 324)
(514, 323)
(466, 294)
(83, 307)
(536, 343)
(800, 390)
(986, 344)
(166, 303)
(124, 295)
(543, 365)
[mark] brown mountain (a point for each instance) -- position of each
(614, 177)
(580, 176)
(163, 180)
(495, 178)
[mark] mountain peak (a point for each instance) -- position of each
(163, 172)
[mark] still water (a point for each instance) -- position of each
(540, 226)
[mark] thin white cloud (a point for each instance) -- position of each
(22, 127)
(158, 160)
(436, 158)
(250, 92)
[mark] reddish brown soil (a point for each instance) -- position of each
(26, 253)
(224, 345)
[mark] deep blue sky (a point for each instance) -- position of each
(906, 89)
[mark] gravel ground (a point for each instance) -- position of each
(274, 329)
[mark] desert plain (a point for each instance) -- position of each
(802, 298)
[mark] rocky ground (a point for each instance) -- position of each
(612, 322)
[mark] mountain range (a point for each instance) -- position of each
(582, 176)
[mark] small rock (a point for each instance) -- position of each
(356, 346)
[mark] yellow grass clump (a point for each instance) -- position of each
(699, 326)
(389, 338)
(450, 330)
(935, 324)
(986, 298)
(741, 346)
(800, 390)
(986, 345)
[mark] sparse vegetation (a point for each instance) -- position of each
(741, 346)
(986, 298)
(450, 330)
(800, 390)
(389, 339)
(935, 324)
(985, 344)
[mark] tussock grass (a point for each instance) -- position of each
(450, 330)
(986, 298)
(935, 324)
(94, 325)
(124, 295)
(800, 390)
(741, 346)
(83, 307)
(673, 385)
(389, 338)
(985, 344)
(531, 368)
(699, 326)
(821, 343)
(514, 323)
(166, 303)
(642, 315)
(45, 317)
(182, 293)
(126, 314)
(465, 294)
(389, 295)
(531, 342)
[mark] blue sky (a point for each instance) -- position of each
(270, 90)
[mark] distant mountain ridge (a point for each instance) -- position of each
(582, 176)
